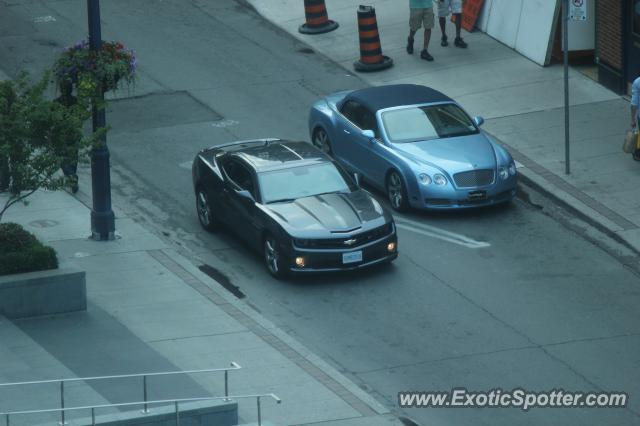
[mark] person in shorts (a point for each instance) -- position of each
(446, 7)
(421, 15)
(635, 112)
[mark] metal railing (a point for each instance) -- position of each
(175, 402)
(234, 366)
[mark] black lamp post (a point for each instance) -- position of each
(102, 217)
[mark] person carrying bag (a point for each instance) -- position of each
(635, 110)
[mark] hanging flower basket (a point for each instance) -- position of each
(91, 71)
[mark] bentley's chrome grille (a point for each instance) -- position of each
(474, 178)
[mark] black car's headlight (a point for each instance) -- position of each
(301, 242)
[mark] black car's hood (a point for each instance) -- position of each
(337, 212)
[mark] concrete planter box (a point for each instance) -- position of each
(53, 291)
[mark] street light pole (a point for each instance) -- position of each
(102, 217)
(565, 47)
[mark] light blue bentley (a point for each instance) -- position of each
(415, 144)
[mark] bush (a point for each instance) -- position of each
(20, 251)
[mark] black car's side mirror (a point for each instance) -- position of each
(478, 120)
(243, 193)
(356, 177)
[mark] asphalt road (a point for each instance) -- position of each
(497, 298)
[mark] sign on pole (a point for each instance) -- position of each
(578, 10)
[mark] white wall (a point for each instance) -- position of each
(524, 25)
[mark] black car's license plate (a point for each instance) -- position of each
(352, 257)
(477, 195)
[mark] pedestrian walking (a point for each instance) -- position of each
(421, 15)
(446, 7)
(69, 154)
(635, 113)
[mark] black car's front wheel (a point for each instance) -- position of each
(397, 192)
(205, 214)
(321, 140)
(273, 257)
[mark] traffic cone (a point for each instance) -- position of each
(318, 21)
(371, 57)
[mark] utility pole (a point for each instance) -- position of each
(102, 217)
(565, 48)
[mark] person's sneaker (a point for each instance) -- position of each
(425, 55)
(410, 46)
(459, 42)
(443, 41)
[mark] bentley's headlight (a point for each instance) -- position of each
(439, 179)
(424, 178)
(503, 172)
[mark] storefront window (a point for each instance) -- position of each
(636, 17)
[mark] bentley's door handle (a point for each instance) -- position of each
(346, 131)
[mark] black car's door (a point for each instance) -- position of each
(242, 214)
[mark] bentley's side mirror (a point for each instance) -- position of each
(369, 134)
(356, 177)
(478, 120)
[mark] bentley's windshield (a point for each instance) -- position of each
(418, 123)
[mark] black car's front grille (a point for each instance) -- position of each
(474, 178)
(347, 242)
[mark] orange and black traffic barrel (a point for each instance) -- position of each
(371, 57)
(318, 22)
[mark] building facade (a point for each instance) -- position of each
(617, 43)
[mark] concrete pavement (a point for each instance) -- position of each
(521, 102)
(149, 309)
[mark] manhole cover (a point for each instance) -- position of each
(157, 110)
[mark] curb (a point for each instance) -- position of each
(268, 327)
(567, 200)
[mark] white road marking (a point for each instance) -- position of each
(440, 234)
(225, 123)
(186, 165)
(518, 165)
(47, 18)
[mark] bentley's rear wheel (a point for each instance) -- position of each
(321, 140)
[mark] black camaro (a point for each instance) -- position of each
(294, 204)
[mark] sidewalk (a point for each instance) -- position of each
(521, 102)
(149, 309)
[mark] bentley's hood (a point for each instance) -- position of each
(452, 154)
(330, 213)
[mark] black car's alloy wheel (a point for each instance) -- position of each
(397, 192)
(321, 141)
(205, 214)
(273, 257)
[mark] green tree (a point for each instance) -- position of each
(36, 135)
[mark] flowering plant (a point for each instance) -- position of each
(89, 70)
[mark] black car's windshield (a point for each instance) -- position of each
(304, 181)
(427, 122)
